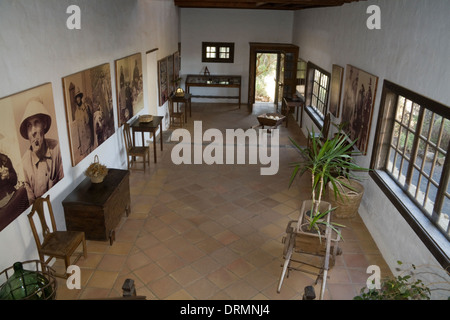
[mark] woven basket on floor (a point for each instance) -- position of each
(348, 206)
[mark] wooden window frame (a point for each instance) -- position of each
(424, 224)
(217, 46)
(314, 113)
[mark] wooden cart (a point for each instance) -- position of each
(271, 120)
(306, 251)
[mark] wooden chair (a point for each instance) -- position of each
(323, 134)
(135, 151)
(54, 243)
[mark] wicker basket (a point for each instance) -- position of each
(96, 171)
(98, 179)
(36, 276)
(270, 119)
(348, 206)
(146, 118)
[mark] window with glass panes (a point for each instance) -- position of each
(320, 92)
(210, 52)
(224, 52)
(217, 52)
(418, 147)
(412, 148)
(317, 91)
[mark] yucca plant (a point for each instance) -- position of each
(325, 160)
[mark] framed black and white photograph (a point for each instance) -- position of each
(163, 87)
(30, 156)
(129, 87)
(170, 75)
(357, 106)
(176, 67)
(89, 110)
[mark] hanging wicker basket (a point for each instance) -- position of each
(348, 205)
(96, 171)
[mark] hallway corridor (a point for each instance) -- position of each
(208, 232)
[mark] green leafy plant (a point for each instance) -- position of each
(402, 287)
(177, 81)
(323, 160)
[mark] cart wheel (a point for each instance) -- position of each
(309, 294)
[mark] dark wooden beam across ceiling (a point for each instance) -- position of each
(259, 4)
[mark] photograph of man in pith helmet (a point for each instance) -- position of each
(30, 157)
(42, 163)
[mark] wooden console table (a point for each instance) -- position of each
(218, 81)
(96, 208)
(151, 127)
(293, 104)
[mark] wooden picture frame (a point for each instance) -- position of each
(89, 110)
(129, 87)
(28, 127)
(357, 106)
(337, 75)
(170, 74)
(176, 68)
(163, 88)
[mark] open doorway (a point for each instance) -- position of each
(266, 77)
(278, 86)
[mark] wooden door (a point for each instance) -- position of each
(289, 67)
(280, 79)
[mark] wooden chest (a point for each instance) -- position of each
(96, 208)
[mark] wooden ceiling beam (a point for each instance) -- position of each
(258, 4)
(306, 2)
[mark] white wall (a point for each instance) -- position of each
(411, 49)
(228, 25)
(36, 47)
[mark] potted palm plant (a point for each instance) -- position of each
(351, 191)
(327, 162)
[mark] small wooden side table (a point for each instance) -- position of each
(96, 208)
(294, 104)
(151, 127)
(186, 99)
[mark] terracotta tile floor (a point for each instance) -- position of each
(215, 231)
